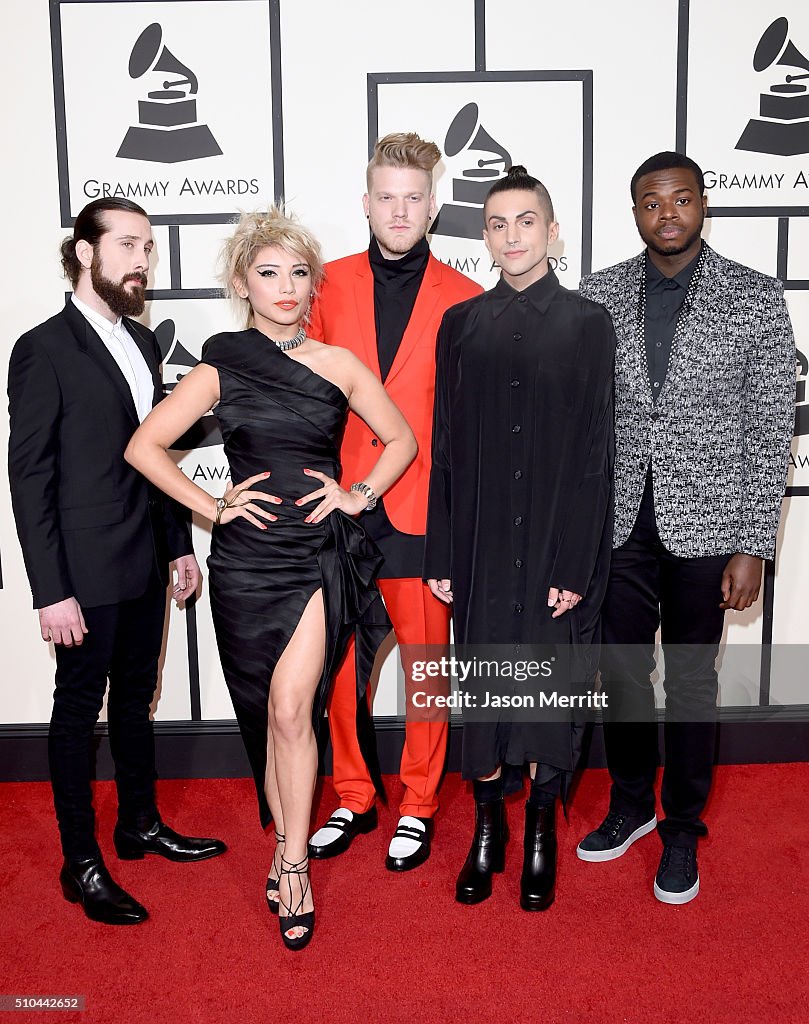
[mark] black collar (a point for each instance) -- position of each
(412, 262)
(655, 277)
(540, 294)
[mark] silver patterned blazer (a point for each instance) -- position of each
(719, 436)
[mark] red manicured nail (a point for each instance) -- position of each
(267, 473)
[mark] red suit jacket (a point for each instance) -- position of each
(343, 314)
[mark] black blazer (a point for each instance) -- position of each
(90, 526)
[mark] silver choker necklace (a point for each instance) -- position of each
(285, 346)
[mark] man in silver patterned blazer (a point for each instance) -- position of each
(704, 411)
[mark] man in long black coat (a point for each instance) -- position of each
(520, 508)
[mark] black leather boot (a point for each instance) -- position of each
(486, 855)
(538, 880)
(89, 883)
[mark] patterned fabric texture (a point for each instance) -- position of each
(719, 435)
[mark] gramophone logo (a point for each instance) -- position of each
(168, 131)
(783, 126)
(177, 362)
(488, 162)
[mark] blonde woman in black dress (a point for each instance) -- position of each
(291, 571)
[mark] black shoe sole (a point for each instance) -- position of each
(127, 852)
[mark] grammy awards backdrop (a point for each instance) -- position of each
(197, 109)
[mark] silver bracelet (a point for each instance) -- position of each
(367, 493)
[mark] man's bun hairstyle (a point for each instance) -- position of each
(518, 179)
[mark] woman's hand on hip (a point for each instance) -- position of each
(241, 503)
(333, 496)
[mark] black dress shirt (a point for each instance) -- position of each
(664, 300)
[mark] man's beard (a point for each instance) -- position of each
(401, 244)
(120, 300)
(679, 249)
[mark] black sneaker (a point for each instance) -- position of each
(614, 836)
(677, 879)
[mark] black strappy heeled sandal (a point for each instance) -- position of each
(295, 919)
(272, 883)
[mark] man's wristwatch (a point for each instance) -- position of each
(221, 505)
(367, 493)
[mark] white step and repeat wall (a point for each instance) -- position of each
(199, 108)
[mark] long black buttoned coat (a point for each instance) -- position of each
(521, 487)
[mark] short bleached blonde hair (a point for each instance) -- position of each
(404, 149)
(254, 232)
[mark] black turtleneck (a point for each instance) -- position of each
(396, 285)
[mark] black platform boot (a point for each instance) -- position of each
(538, 880)
(488, 851)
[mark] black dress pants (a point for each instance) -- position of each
(649, 588)
(123, 645)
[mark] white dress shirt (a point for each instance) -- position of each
(124, 350)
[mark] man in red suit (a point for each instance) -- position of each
(385, 304)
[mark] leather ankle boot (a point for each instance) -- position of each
(486, 855)
(89, 883)
(538, 880)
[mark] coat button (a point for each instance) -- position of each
(517, 609)
(515, 383)
(518, 563)
(516, 428)
(655, 415)
(518, 520)
(641, 464)
(375, 442)
(517, 336)
(518, 475)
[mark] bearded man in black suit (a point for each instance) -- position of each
(97, 542)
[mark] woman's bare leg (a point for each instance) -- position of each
(292, 742)
(274, 801)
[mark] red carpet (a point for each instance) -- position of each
(606, 953)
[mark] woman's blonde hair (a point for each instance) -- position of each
(255, 231)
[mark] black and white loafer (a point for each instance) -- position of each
(410, 845)
(337, 834)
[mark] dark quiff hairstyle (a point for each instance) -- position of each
(89, 227)
(518, 179)
(667, 161)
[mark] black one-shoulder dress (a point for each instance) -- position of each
(276, 414)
